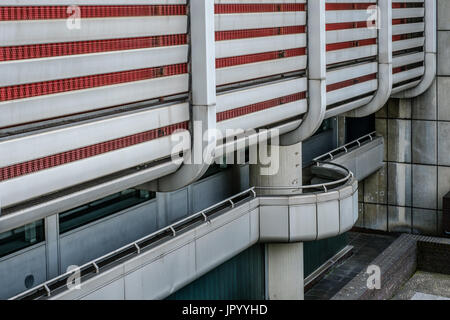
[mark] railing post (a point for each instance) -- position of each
(203, 99)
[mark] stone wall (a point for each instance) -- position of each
(406, 195)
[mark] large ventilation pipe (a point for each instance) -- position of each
(430, 53)
(316, 76)
(203, 100)
(385, 76)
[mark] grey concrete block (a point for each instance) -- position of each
(443, 53)
(443, 184)
(399, 108)
(424, 106)
(399, 140)
(424, 146)
(375, 217)
(360, 222)
(399, 219)
(381, 129)
(375, 187)
(444, 143)
(443, 14)
(424, 221)
(399, 184)
(443, 84)
(424, 186)
(383, 112)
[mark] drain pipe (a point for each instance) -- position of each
(203, 100)
(430, 53)
(385, 76)
(316, 75)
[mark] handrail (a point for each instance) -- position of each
(345, 147)
(135, 245)
(324, 185)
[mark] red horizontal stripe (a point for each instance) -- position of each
(350, 44)
(351, 82)
(349, 6)
(400, 5)
(260, 7)
(256, 33)
(55, 160)
(61, 12)
(258, 57)
(238, 112)
(86, 47)
(347, 25)
(64, 85)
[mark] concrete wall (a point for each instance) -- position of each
(406, 195)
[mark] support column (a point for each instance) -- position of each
(284, 261)
(287, 164)
(285, 271)
(52, 245)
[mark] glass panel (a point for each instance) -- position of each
(20, 238)
(102, 208)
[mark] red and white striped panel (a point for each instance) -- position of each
(38, 164)
(352, 52)
(120, 54)
(256, 40)
(408, 27)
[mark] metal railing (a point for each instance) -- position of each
(325, 186)
(346, 147)
(135, 248)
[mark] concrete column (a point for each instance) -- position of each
(284, 263)
(286, 169)
(52, 245)
(285, 271)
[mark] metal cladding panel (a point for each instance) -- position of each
(328, 219)
(303, 222)
(158, 279)
(346, 214)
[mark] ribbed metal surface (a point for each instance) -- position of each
(316, 253)
(241, 278)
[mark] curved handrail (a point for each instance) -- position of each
(325, 185)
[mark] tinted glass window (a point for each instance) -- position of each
(102, 208)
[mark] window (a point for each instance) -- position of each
(102, 208)
(20, 238)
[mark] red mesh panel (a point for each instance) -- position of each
(349, 6)
(260, 7)
(238, 112)
(60, 12)
(258, 57)
(85, 47)
(28, 167)
(351, 44)
(64, 85)
(351, 82)
(346, 25)
(256, 33)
